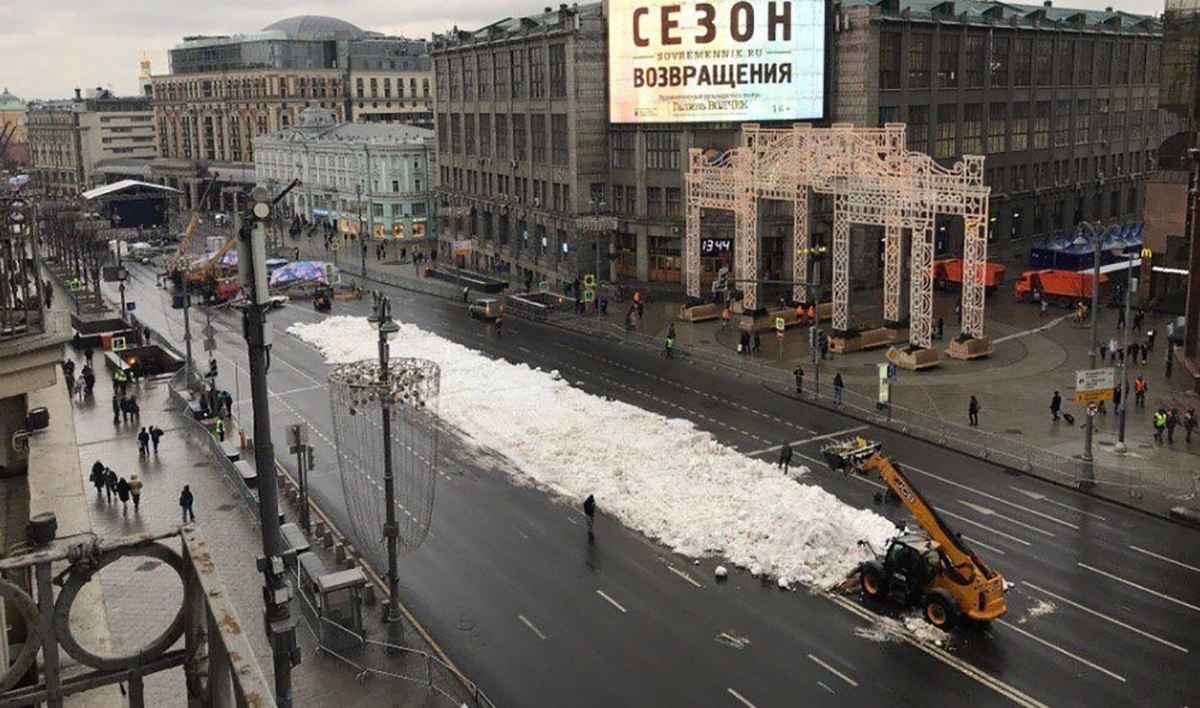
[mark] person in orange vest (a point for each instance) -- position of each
(800, 314)
(1139, 391)
(726, 317)
(812, 314)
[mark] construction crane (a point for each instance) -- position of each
(179, 262)
(934, 570)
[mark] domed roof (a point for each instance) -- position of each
(314, 116)
(9, 102)
(315, 27)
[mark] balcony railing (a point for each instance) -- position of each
(21, 294)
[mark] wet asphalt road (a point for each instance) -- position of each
(510, 587)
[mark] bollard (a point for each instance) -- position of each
(368, 595)
(319, 528)
(327, 540)
(351, 557)
(339, 552)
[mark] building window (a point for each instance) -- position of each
(1118, 119)
(1152, 65)
(972, 129)
(947, 131)
(1102, 111)
(501, 136)
(1104, 57)
(520, 138)
(1121, 64)
(1137, 65)
(468, 79)
(484, 72)
(662, 150)
(358, 87)
(485, 133)
(558, 71)
(500, 73)
(537, 130)
(374, 87)
(1062, 123)
(1085, 61)
(918, 60)
(1041, 125)
(469, 122)
(889, 114)
(1023, 61)
(918, 128)
(387, 87)
(560, 154)
(1064, 67)
(1083, 115)
(674, 202)
(654, 202)
(623, 149)
(1043, 57)
(997, 128)
(948, 60)
(976, 59)
(516, 59)
(1020, 126)
(998, 68)
(1135, 116)
(537, 73)
(889, 60)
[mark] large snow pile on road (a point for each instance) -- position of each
(658, 475)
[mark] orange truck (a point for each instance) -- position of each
(948, 272)
(1056, 285)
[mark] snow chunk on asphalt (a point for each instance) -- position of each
(661, 476)
(1039, 608)
(910, 625)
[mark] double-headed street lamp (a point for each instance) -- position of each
(1097, 240)
(381, 320)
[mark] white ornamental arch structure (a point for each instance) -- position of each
(873, 180)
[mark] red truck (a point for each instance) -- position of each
(1064, 286)
(948, 272)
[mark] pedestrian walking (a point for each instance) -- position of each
(1189, 425)
(838, 387)
(123, 494)
(589, 510)
(757, 342)
(1172, 422)
(1137, 319)
(156, 434)
(143, 439)
(1103, 352)
(87, 355)
(1042, 309)
(1056, 406)
(49, 290)
(116, 408)
(110, 482)
(97, 477)
(670, 345)
(220, 429)
(69, 379)
(1145, 352)
(799, 374)
(1117, 398)
(1150, 340)
(785, 458)
(1139, 391)
(744, 343)
(135, 492)
(1120, 318)
(973, 411)
(89, 379)
(466, 293)
(186, 500)
(941, 327)
(1160, 425)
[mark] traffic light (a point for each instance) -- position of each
(212, 369)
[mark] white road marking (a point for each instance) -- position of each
(1143, 588)
(1062, 651)
(611, 601)
(1027, 332)
(573, 521)
(824, 686)
(742, 699)
(982, 677)
(976, 542)
(995, 498)
(532, 627)
(834, 671)
(1042, 497)
(797, 443)
(972, 522)
(986, 511)
(1103, 616)
(684, 575)
(1152, 554)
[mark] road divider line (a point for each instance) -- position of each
(833, 671)
(1062, 651)
(1143, 588)
(806, 441)
(982, 677)
(741, 699)
(1152, 554)
(532, 628)
(825, 686)
(995, 498)
(684, 575)
(972, 522)
(611, 601)
(976, 542)
(1042, 497)
(986, 511)
(1103, 616)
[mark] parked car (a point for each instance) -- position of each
(486, 308)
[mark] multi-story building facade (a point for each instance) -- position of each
(1063, 103)
(364, 178)
(67, 139)
(12, 125)
(391, 81)
(223, 91)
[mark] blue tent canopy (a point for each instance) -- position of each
(302, 272)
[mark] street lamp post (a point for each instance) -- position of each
(1089, 473)
(1120, 447)
(381, 319)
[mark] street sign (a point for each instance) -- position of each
(885, 385)
(1094, 385)
(779, 335)
(589, 280)
(543, 286)
(130, 306)
(589, 295)
(210, 344)
(464, 247)
(118, 344)
(780, 324)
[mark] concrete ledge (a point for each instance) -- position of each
(1187, 515)
(870, 339)
(970, 348)
(914, 360)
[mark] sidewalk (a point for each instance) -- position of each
(141, 598)
(1033, 357)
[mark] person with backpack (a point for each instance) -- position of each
(143, 439)
(973, 412)
(1189, 425)
(186, 500)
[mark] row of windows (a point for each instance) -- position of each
(522, 190)
(360, 88)
(953, 59)
(249, 87)
(502, 74)
(473, 136)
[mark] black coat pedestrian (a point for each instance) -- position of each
(156, 434)
(97, 476)
(589, 506)
(1056, 404)
(123, 490)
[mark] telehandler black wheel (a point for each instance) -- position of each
(873, 582)
(940, 610)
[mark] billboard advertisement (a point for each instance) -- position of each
(683, 61)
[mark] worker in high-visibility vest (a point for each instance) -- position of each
(1139, 391)
(220, 429)
(120, 380)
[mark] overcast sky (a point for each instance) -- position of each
(57, 45)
